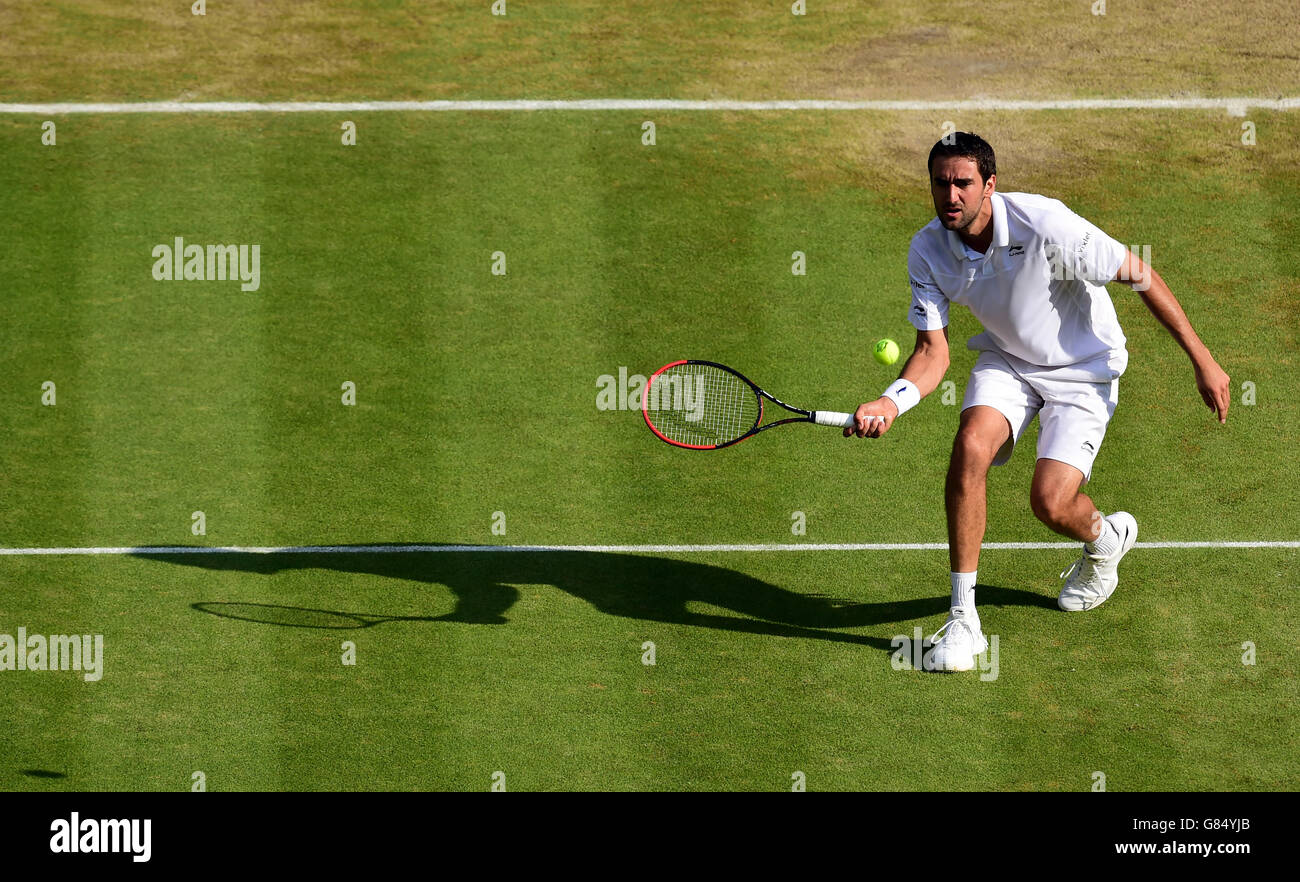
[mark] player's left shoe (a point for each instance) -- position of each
(1090, 580)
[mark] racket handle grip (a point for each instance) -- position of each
(835, 418)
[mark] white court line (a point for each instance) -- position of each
(602, 549)
(1234, 106)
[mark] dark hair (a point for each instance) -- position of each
(967, 146)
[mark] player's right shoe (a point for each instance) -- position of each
(961, 641)
(1090, 580)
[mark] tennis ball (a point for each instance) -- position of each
(886, 351)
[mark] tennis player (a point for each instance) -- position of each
(1034, 273)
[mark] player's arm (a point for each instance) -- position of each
(1213, 383)
(924, 369)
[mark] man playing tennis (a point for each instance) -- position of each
(1034, 273)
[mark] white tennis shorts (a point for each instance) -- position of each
(1072, 414)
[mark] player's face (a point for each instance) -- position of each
(958, 190)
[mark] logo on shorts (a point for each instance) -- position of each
(1087, 445)
(920, 310)
(1016, 250)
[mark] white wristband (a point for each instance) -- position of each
(904, 394)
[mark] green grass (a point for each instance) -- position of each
(476, 394)
(1150, 691)
(371, 49)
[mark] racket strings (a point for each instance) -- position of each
(701, 405)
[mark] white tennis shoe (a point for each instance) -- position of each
(1090, 580)
(962, 640)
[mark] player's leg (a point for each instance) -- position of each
(981, 434)
(1072, 424)
(998, 407)
(1057, 501)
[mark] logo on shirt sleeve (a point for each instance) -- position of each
(1016, 251)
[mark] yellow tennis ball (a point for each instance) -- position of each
(886, 351)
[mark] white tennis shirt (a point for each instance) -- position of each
(1039, 291)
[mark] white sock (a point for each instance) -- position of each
(1106, 544)
(963, 590)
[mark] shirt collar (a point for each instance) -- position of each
(999, 221)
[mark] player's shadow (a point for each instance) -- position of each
(631, 586)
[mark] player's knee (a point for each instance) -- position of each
(1049, 504)
(972, 455)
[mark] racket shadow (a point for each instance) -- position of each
(298, 616)
(631, 586)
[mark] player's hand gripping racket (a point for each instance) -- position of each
(702, 405)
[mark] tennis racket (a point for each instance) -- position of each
(703, 405)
